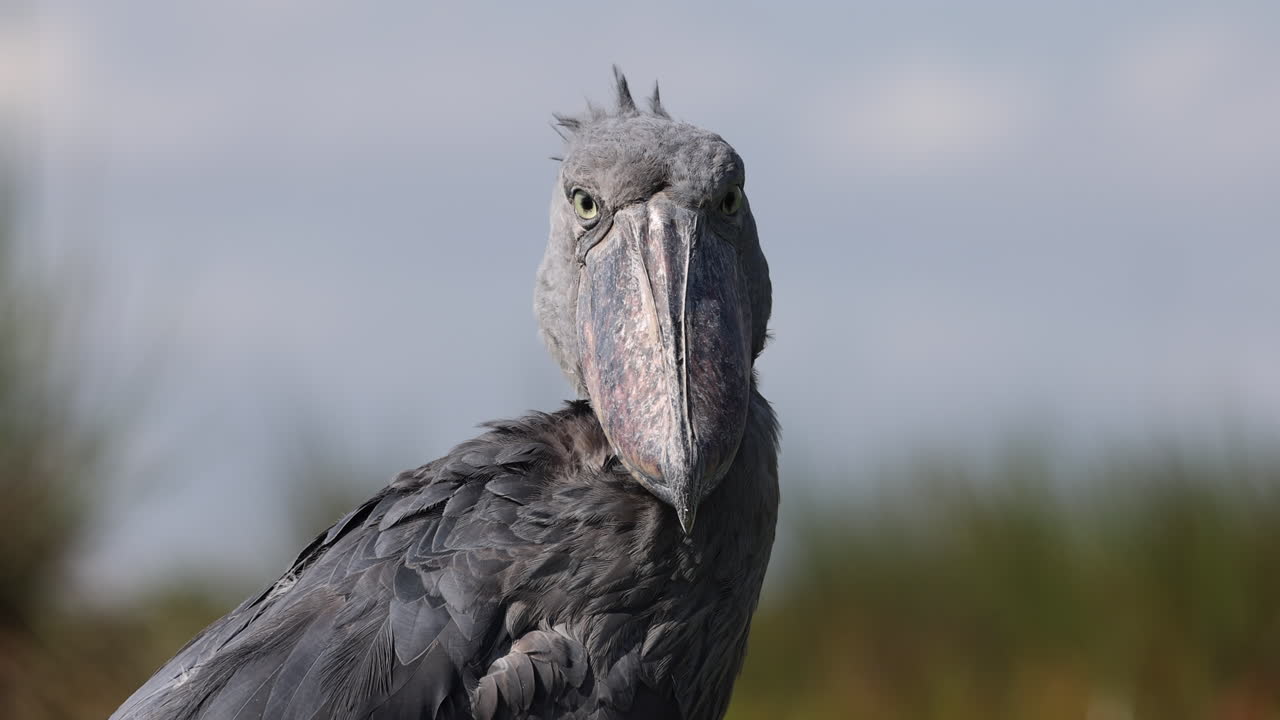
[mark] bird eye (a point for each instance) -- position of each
(585, 205)
(732, 201)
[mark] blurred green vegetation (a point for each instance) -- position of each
(54, 450)
(1144, 584)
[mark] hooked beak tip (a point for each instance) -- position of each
(686, 517)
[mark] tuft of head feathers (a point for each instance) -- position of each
(655, 103)
(626, 107)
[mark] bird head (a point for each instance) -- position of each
(653, 295)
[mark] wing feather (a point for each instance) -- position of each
(384, 614)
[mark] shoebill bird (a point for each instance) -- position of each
(601, 561)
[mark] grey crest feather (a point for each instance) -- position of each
(626, 107)
(626, 104)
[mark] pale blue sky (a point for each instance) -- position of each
(975, 213)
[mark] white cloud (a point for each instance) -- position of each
(38, 57)
(1190, 102)
(1194, 100)
(198, 82)
(928, 117)
(19, 85)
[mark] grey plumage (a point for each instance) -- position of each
(541, 570)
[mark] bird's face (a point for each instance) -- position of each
(654, 296)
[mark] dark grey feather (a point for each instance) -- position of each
(626, 105)
(655, 103)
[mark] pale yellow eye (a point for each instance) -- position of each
(732, 201)
(585, 205)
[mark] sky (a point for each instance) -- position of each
(325, 217)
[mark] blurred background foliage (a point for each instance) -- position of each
(1140, 583)
(1141, 586)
